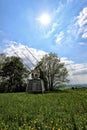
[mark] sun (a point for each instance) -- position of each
(44, 19)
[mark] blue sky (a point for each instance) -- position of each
(66, 34)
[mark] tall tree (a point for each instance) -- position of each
(2, 59)
(53, 72)
(14, 72)
(2, 79)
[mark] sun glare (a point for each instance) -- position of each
(44, 19)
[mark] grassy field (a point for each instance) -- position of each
(65, 110)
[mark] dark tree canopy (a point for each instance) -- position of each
(13, 73)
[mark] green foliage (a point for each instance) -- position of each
(13, 74)
(2, 60)
(53, 72)
(54, 111)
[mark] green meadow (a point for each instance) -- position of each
(63, 110)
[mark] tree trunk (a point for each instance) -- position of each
(51, 82)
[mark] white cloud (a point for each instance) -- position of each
(52, 30)
(82, 23)
(59, 37)
(74, 67)
(29, 56)
(79, 69)
(82, 18)
(77, 72)
(66, 61)
(81, 43)
(81, 79)
(84, 35)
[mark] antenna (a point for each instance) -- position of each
(23, 62)
(31, 54)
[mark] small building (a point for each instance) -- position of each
(35, 84)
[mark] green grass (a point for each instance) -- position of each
(65, 110)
